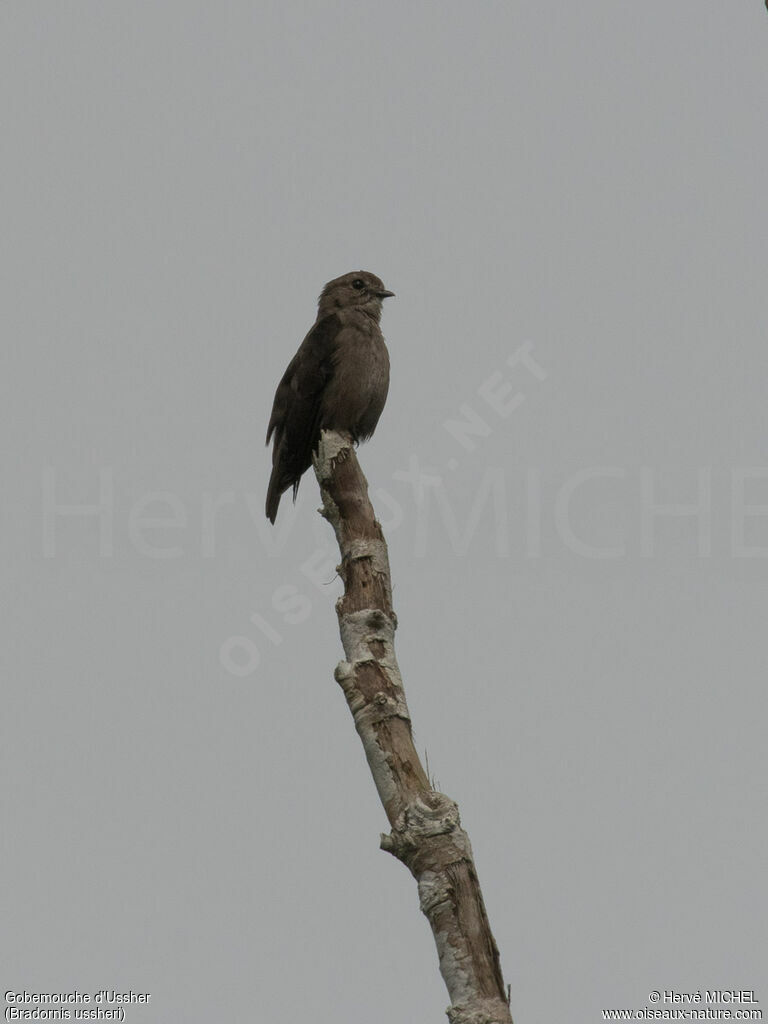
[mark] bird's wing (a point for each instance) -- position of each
(295, 419)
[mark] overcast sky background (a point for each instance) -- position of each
(570, 203)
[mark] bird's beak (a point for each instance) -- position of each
(386, 295)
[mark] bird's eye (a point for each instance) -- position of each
(358, 283)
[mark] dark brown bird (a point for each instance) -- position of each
(338, 380)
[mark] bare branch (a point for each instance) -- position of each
(426, 833)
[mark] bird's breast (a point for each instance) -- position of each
(357, 391)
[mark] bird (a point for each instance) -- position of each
(338, 380)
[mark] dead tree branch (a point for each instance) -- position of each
(426, 833)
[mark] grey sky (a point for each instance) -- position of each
(577, 188)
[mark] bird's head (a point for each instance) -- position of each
(358, 289)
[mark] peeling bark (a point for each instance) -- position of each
(426, 833)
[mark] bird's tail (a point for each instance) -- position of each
(279, 482)
(274, 493)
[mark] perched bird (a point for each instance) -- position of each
(338, 380)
